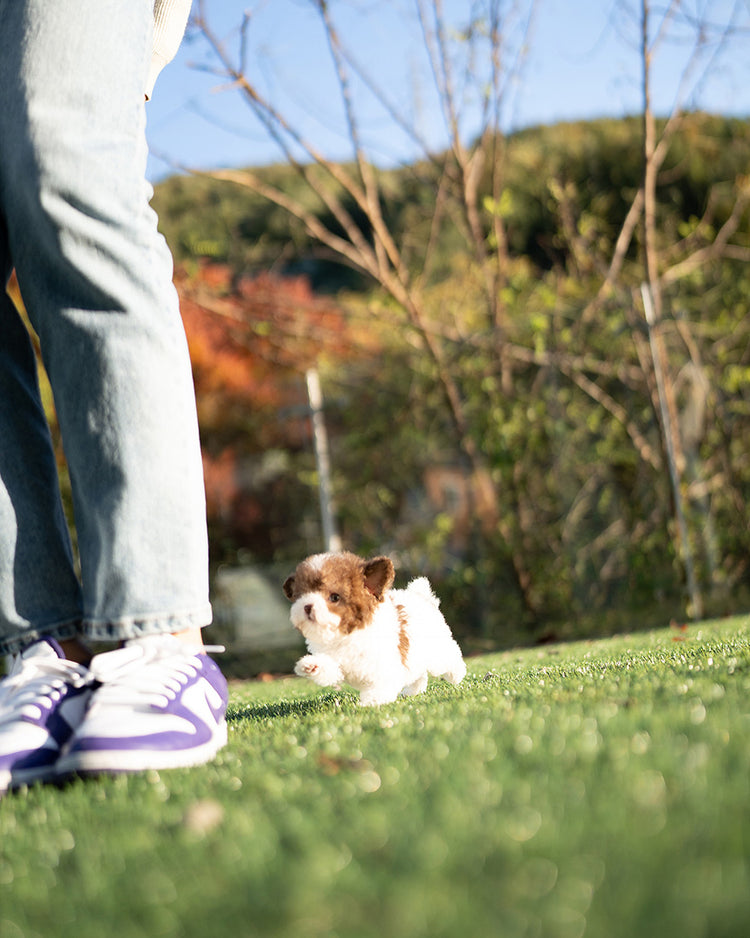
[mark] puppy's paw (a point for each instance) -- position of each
(319, 669)
(417, 687)
(456, 673)
(307, 666)
(375, 696)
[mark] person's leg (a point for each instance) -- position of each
(39, 591)
(96, 278)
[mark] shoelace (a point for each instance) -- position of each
(36, 685)
(148, 674)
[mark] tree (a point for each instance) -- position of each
(521, 356)
(356, 195)
(251, 341)
(708, 39)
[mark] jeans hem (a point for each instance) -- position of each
(126, 627)
(60, 632)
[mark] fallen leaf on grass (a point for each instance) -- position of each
(679, 627)
(203, 816)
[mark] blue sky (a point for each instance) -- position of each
(582, 62)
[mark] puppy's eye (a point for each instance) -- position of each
(334, 598)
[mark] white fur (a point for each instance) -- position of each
(369, 658)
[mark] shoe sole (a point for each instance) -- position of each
(9, 781)
(119, 762)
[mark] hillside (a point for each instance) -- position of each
(203, 217)
(508, 422)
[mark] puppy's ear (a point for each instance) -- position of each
(379, 575)
(289, 587)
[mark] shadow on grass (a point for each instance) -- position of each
(348, 701)
(286, 708)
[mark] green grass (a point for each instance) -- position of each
(598, 788)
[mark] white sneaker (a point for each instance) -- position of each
(157, 704)
(42, 700)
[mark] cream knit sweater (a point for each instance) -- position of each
(170, 20)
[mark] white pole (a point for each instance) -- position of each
(320, 440)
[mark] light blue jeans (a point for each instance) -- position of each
(96, 278)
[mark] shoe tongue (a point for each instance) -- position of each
(44, 648)
(44, 654)
(107, 663)
(55, 646)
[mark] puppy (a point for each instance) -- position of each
(358, 630)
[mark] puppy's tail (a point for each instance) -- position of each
(421, 587)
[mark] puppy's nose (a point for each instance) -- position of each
(308, 610)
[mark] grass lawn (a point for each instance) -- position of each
(598, 788)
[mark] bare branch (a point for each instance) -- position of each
(355, 250)
(620, 413)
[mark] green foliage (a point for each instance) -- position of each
(556, 390)
(600, 161)
(596, 788)
(200, 218)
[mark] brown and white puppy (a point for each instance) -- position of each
(358, 630)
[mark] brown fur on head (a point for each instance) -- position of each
(350, 586)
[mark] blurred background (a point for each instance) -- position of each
(508, 240)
